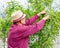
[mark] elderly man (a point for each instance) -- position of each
(22, 28)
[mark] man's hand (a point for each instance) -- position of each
(43, 12)
(46, 18)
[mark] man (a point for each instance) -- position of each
(21, 29)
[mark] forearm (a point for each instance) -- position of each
(32, 20)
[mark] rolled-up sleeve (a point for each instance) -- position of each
(32, 19)
(33, 28)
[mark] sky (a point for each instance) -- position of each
(56, 5)
(3, 4)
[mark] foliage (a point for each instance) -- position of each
(45, 37)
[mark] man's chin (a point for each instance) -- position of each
(24, 23)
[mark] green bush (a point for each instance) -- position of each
(45, 37)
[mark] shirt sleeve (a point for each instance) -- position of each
(31, 20)
(31, 29)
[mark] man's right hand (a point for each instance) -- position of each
(46, 18)
(43, 12)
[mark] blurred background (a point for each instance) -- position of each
(55, 5)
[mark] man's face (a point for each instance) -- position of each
(23, 20)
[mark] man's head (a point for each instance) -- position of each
(18, 17)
